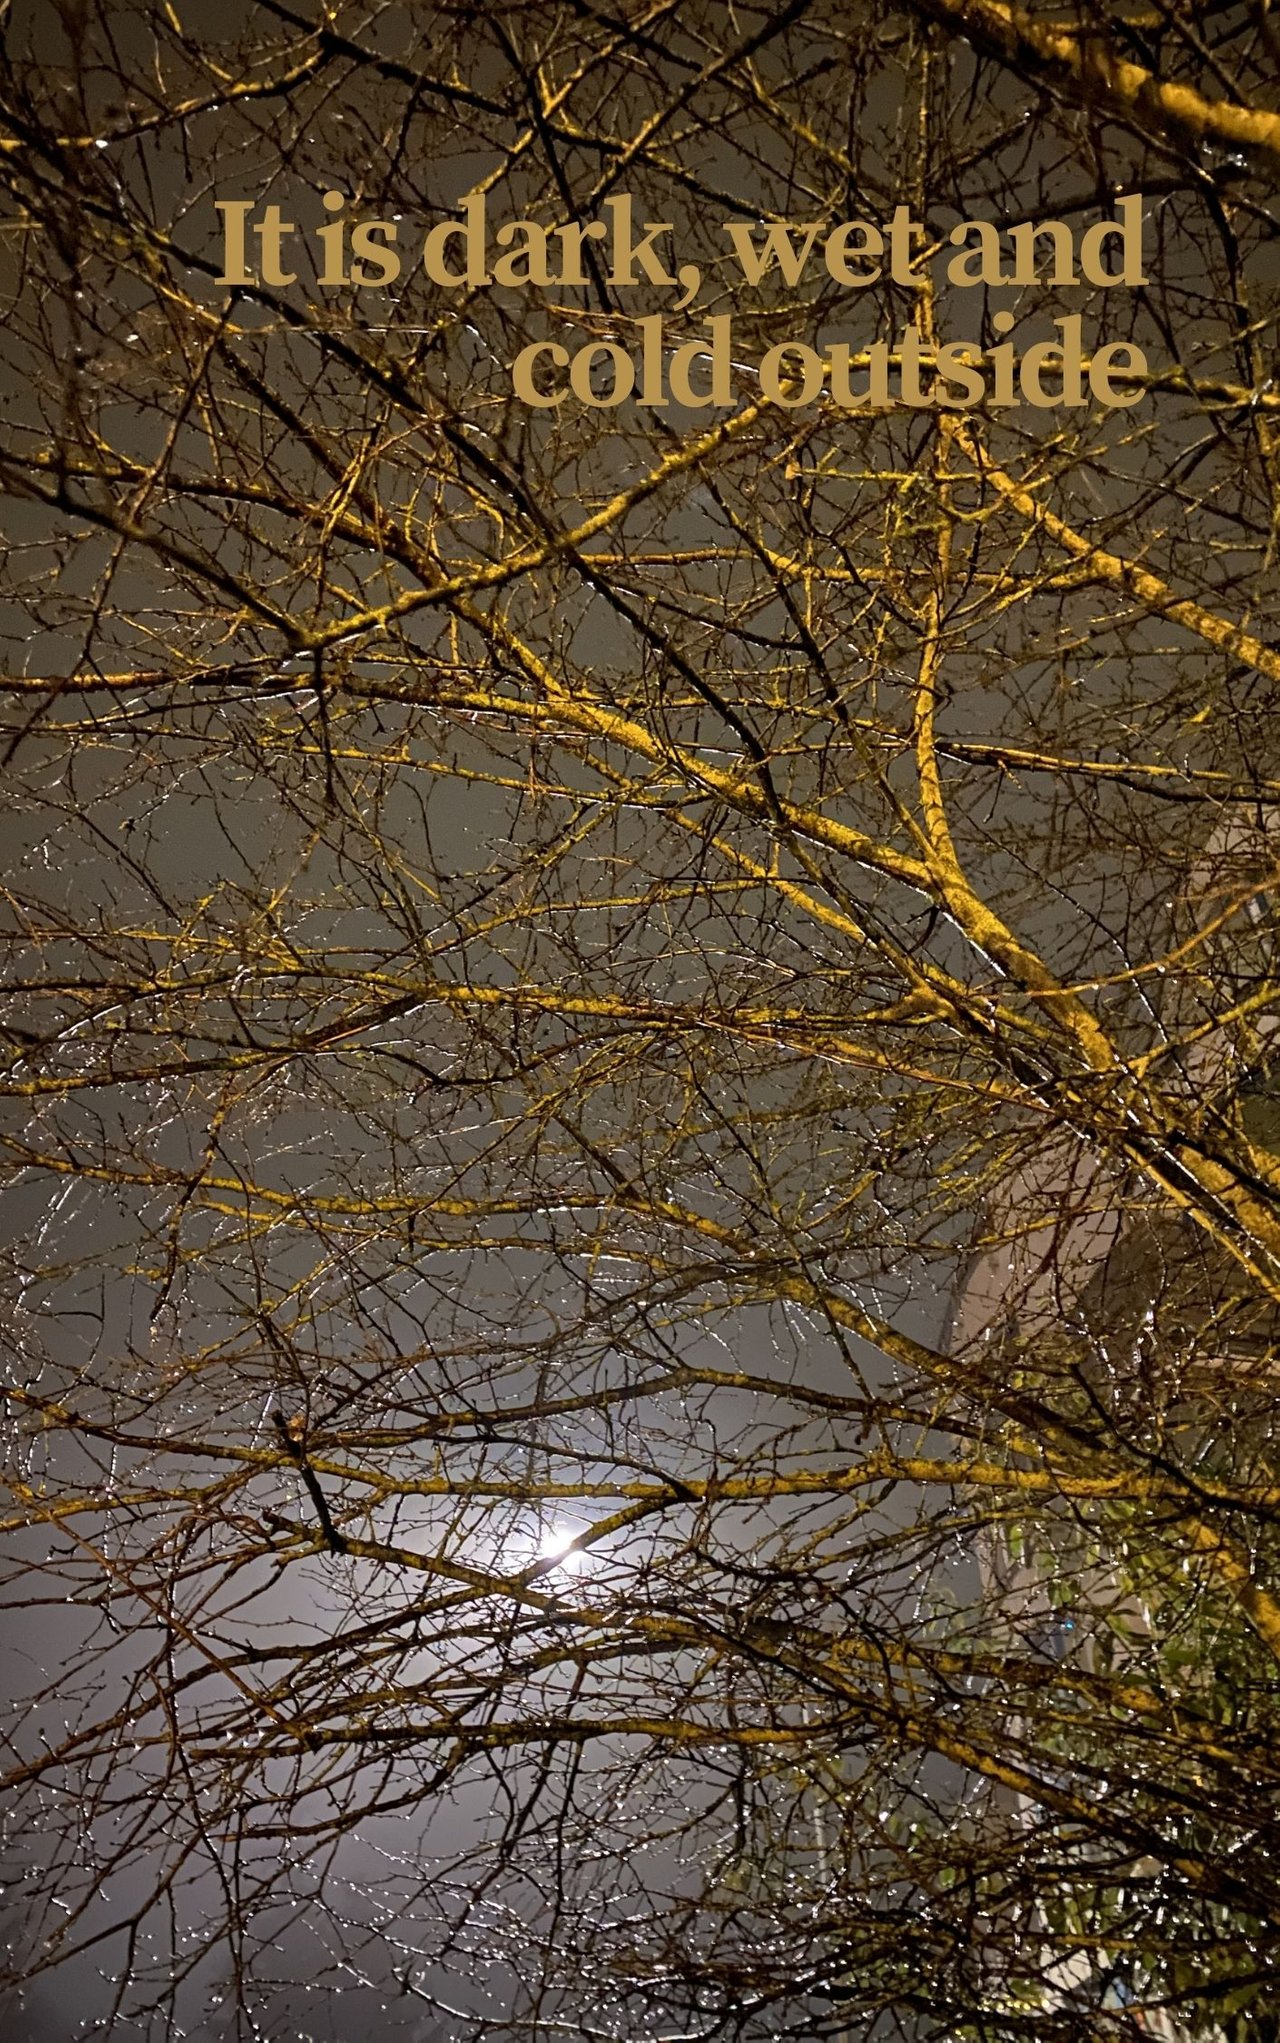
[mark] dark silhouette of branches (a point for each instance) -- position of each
(640, 1126)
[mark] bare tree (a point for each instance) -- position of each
(545, 941)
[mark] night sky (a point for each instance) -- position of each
(640, 1235)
